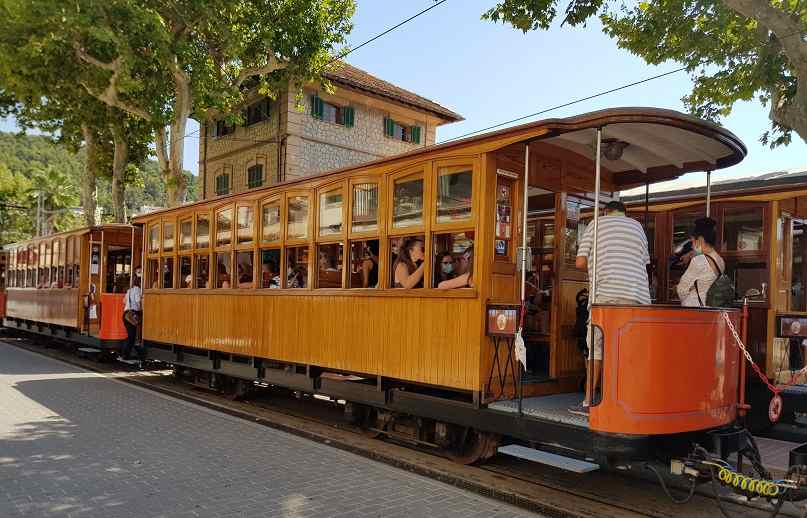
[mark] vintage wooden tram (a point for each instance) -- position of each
(70, 284)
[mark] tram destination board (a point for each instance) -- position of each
(502, 319)
(791, 326)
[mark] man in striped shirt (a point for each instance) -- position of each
(622, 260)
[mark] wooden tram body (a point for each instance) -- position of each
(3, 273)
(71, 284)
(428, 352)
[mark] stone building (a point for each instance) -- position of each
(364, 119)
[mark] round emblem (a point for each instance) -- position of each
(501, 321)
(795, 327)
(775, 408)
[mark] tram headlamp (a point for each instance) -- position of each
(612, 148)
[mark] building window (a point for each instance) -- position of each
(255, 176)
(222, 128)
(398, 131)
(222, 184)
(328, 112)
(256, 112)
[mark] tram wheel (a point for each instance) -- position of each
(470, 446)
(370, 423)
(235, 389)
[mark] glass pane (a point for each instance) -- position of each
(742, 229)
(365, 207)
(223, 270)
(297, 218)
(329, 266)
(186, 235)
(243, 263)
(246, 225)
(407, 261)
(153, 273)
(202, 271)
(454, 189)
(271, 222)
(270, 268)
(202, 231)
(168, 272)
(578, 214)
(168, 237)
(224, 224)
(407, 209)
(297, 267)
(330, 213)
(364, 264)
(454, 259)
(185, 277)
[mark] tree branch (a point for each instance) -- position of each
(784, 26)
(246, 73)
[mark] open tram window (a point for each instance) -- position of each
(743, 229)
(202, 271)
(223, 270)
(407, 202)
(168, 236)
(750, 278)
(202, 231)
(57, 281)
(153, 272)
(246, 225)
(167, 272)
(186, 234)
(185, 275)
(683, 223)
(297, 218)
(453, 260)
(118, 269)
(329, 265)
(270, 222)
(330, 213)
(224, 227)
(365, 208)
(270, 268)
(244, 268)
(297, 267)
(407, 261)
(154, 239)
(364, 257)
(454, 193)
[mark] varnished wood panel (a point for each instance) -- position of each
(51, 306)
(568, 361)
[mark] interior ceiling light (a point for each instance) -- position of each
(612, 148)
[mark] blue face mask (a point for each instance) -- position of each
(697, 249)
(447, 267)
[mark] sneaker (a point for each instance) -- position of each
(581, 409)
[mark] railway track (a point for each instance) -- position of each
(535, 487)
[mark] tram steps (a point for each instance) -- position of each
(550, 459)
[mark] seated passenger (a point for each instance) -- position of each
(465, 279)
(270, 277)
(224, 277)
(444, 269)
(244, 276)
(408, 267)
(369, 265)
(704, 267)
(296, 278)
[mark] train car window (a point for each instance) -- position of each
(202, 231)
(743, 229)
(297, 267)
(365, 208)
(454, 193)
(297, 218)
(364, 264)
(246, 225)
(330, 213)
(185, 275)
(223, 270)
(154, 239)
(244, 269)
(224, 227)
(270, 268)
(203, 271)
(153, 272)
(168, 236)
(68, 275)
(329, 265)
(407, 202)
(270, 222)
(453, 259)
(407, 261)
(186, 234)
(168, 272)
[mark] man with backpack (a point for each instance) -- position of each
(704, 284)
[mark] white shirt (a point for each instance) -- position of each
(133, 300)
(702, 270)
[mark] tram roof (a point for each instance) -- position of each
(65, 233)
(661, 145)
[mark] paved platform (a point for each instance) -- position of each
(77, 444)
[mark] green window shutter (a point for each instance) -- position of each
(226, 183)
(316, 107)
(389, 127)
(349, 116)
(416, 134)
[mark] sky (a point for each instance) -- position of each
(491, 73)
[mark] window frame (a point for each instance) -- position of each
(163, 222)
(278, 199)
(468, 224)
(282, 261)
(253, 242)
(196, 215)
(150, 226)
(289, 242)
(424, 170)
(328, 189)
(380, 213)
(184, 219)
(214, 238)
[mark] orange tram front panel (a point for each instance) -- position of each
(666, 370)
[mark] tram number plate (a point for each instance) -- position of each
(502, 320)
(792, 327)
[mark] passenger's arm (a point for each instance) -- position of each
(366, 266)
(581, 262)
(460, 281)
(406, 280)
(687, 282)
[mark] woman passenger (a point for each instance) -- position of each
(369, 265)
(408, 267)
(445, 267)
(465, 279)
(705, 266)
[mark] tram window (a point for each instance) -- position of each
(246, 225)
(168, 272)
(407, 202)
(185, 276)
(453, 257)
(168, 237)
(454, 193)
(330, 213)
(364, 259)
(329, 265)
(683, 223)
(297, 267)
(244, 269)
(270, 268)
(202, 231)
(223, 270)
(185, 234)
(224, 224)
(365, 207)
(407, 261)
(297, 218)
(153, 273)
(270, 222)
(750, 278)
(742, 229)
(76, 275)
(203, 271)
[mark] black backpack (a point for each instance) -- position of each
(721, 292)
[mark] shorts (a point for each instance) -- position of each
(595, 353)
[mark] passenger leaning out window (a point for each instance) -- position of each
(408, 267)
(464, 278)
(705, 265)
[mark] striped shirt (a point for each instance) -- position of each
(622, 259)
